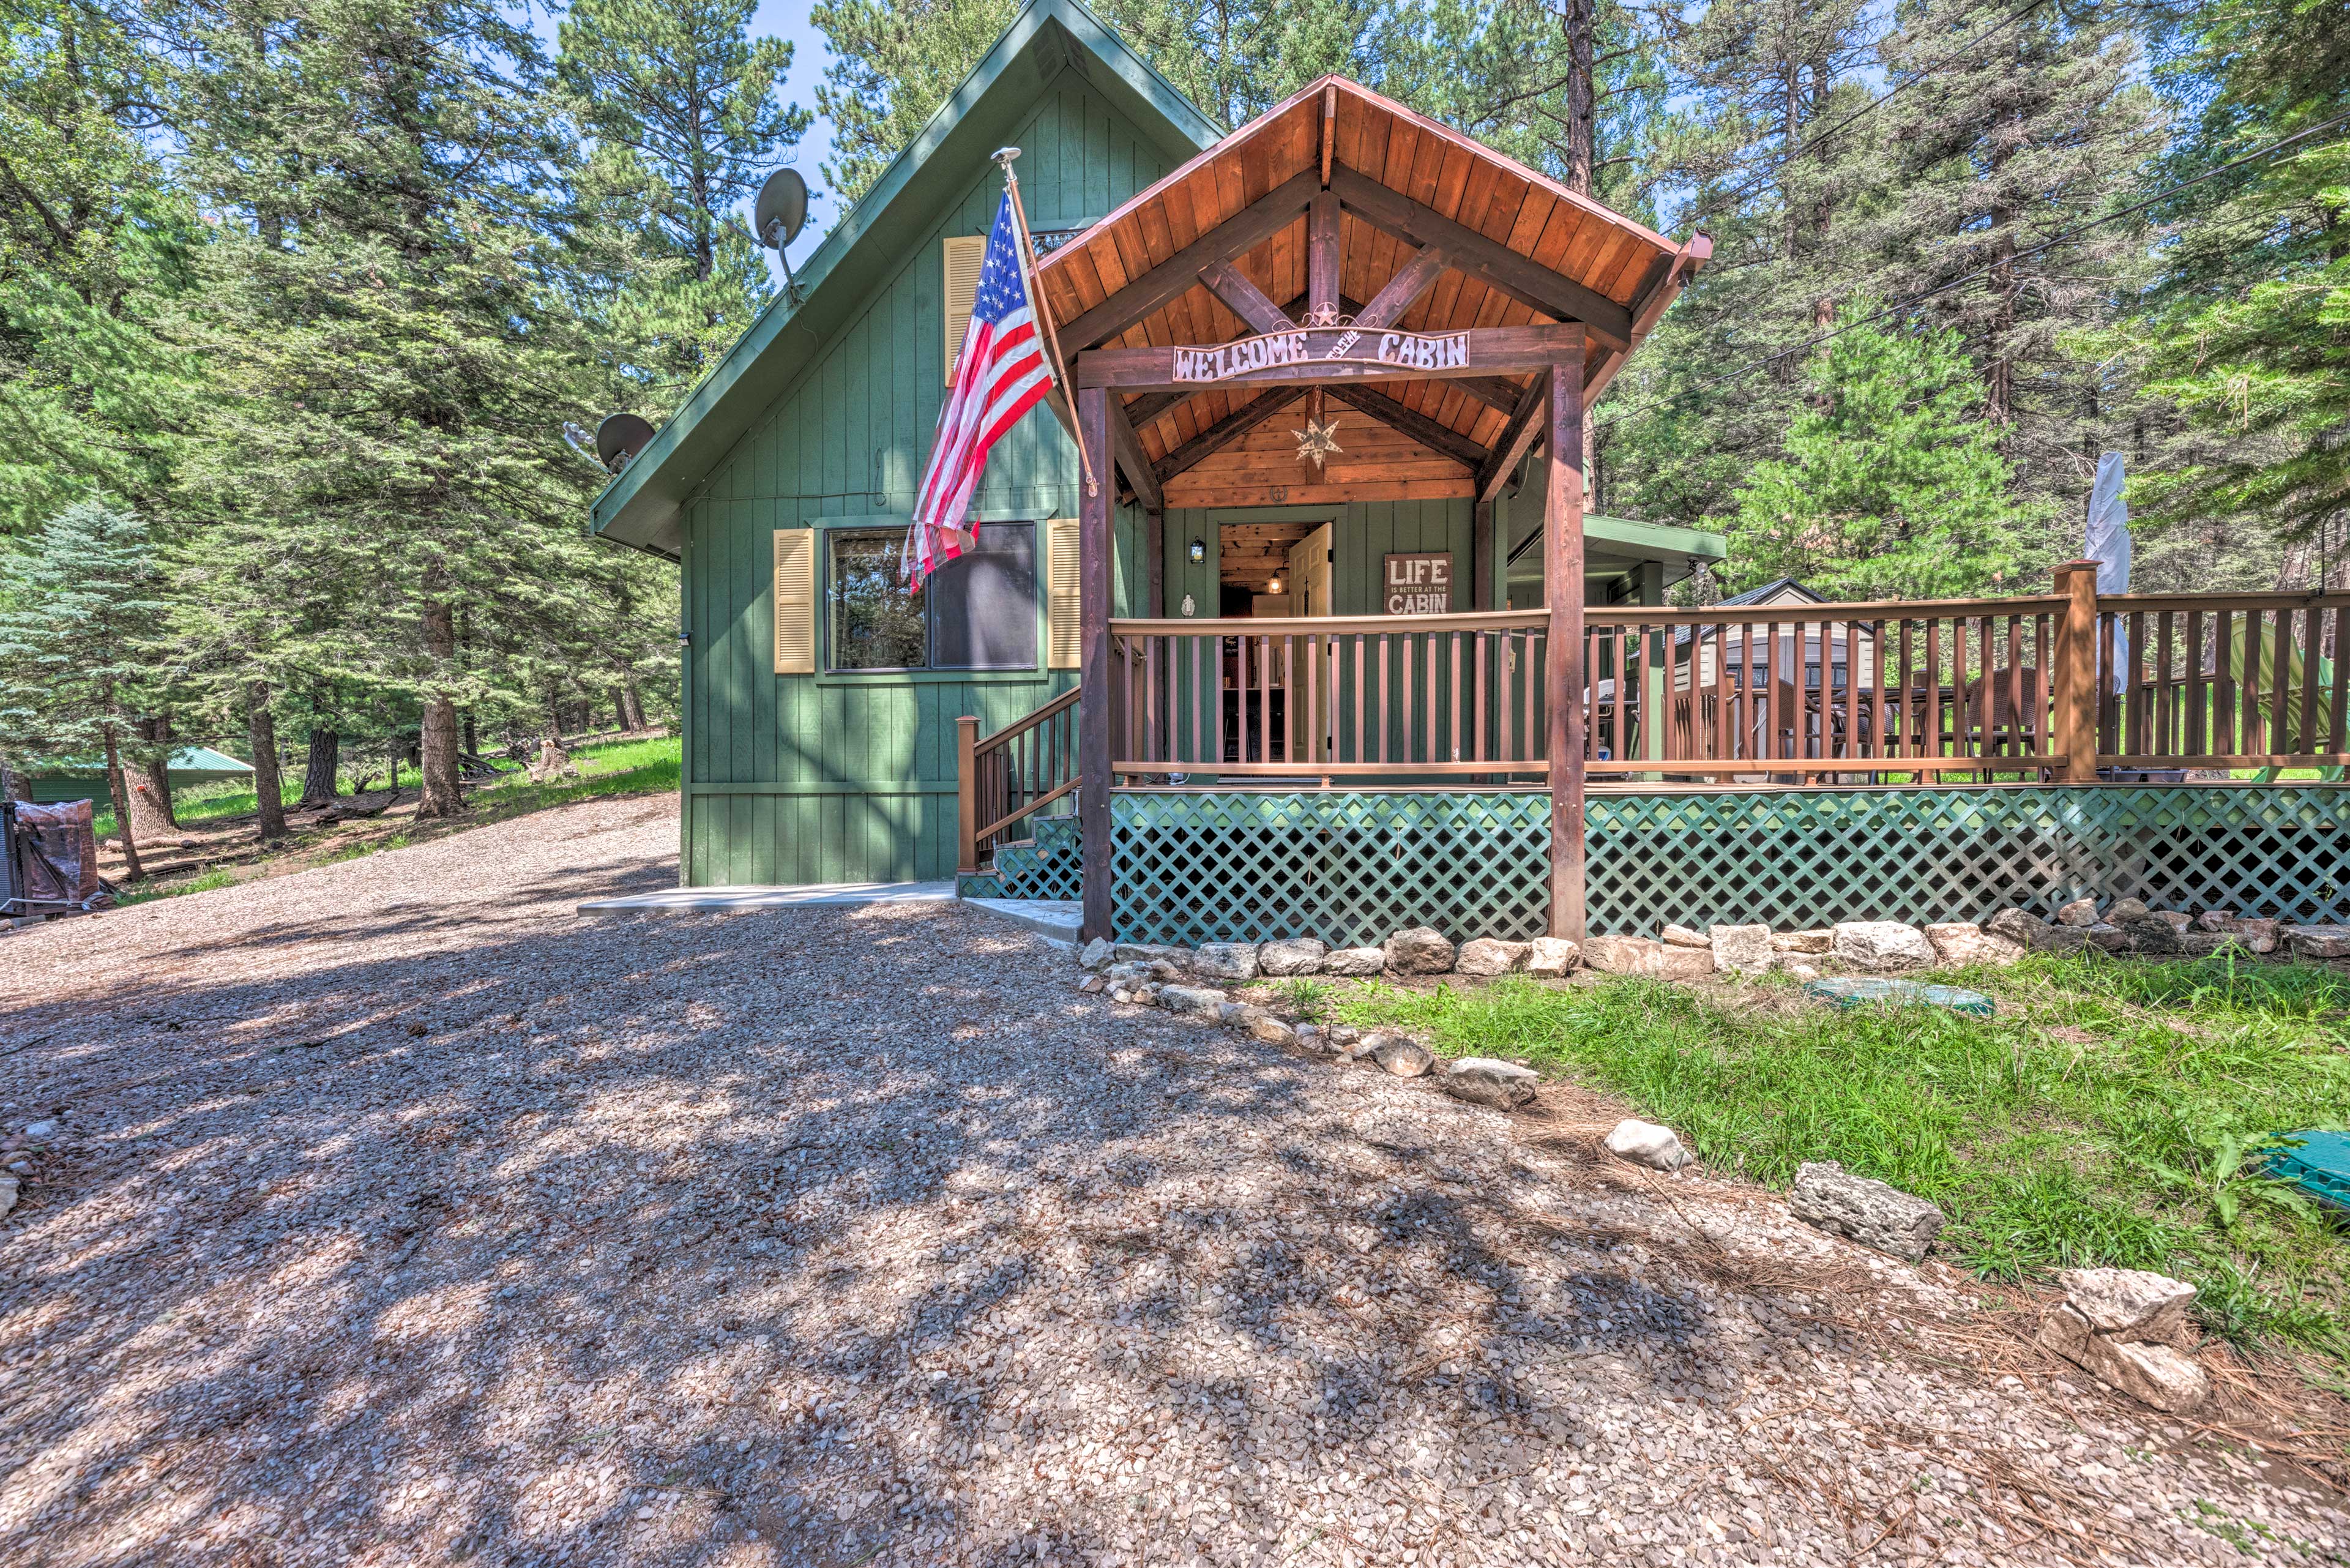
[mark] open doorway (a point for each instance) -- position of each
(1274, 569)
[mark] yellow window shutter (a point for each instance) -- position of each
(1061, 594)
(964, 252)
(795, 601)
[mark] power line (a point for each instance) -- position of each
(1770, 174)
(1898, 307)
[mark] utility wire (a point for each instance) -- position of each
(1770, 174)
(1898, 307)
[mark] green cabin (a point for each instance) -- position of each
(822, 742)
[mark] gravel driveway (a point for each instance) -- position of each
(397, 1215)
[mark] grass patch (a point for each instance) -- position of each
(2111, 1114)
(204, 882)
(615, 767)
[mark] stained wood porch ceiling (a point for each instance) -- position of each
(1369, 151)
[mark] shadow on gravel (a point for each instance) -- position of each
(625, 1242)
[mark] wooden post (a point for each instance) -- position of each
(1093, 666)
(1481, 555)
(967, 791)
(1563, 673)
(1154, 549)
(2075, 686)
(1656, 666)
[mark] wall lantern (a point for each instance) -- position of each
(1197, 551)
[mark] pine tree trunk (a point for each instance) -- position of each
(437, 748)
(1581, 152)
(261, 732)
(151, 793)
(318, 769)
(122, 792)
(635, 698)
(473, 738)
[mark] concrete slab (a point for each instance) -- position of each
(1056, 919)
(710, 900)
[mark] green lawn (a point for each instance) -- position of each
(2110, 1113)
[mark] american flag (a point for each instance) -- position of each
(1000, 377)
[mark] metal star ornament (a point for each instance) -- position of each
(1317, 441)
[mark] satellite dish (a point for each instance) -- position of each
(781, 209)
(619, 438)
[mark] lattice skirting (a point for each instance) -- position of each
(1349, 867)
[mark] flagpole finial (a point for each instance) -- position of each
(1004, 155)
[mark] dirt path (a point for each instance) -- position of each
(397, 1215)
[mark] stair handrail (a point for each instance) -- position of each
(1050, 774)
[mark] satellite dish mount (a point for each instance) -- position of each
(619, 438)
(779, 214)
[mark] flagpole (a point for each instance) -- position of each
(1003, 156)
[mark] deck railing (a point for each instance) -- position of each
(2063, 686)
(1005, 778)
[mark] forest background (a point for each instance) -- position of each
(297, 298)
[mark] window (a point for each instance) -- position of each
(975, 613)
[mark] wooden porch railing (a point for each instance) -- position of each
(1005, 778)
(1918, 690)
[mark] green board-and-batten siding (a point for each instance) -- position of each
(851, 778)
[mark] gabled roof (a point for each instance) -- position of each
(1395, 173)
(640, 506)
(1769, 593)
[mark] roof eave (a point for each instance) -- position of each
(641, 506)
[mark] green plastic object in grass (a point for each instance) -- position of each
(2320, 1166)
(1899, 994)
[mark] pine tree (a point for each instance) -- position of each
(1892, 484)
(2015, 131)
(678, 103)
(79, 611)
(2245, 335)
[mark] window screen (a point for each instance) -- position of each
(978, 612)
(983, 606)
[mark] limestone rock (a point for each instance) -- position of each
(2154, 1374)
(1310, 1036)
(2219, 920)
(1550, 957)
(1423, 949)
(1816, 941)
(1962, 942)
(2062, 939)
(1098, 953)
(1294, 955)
(1489, 956)
(2259, 936)
(1871, 1212)
(1399, 1055)
(1645, 1142)
(1483, 1081)
(1154, 954)
(1801, 971)
(8, 1187)
(2079, 912)
(1343, 1035)
(2108, 939)
(1881, 944)
(2149, 933)
(1638, 955)
(2132, 1303)
(2021, 927)
(1225, 960)
(1259, 1024)
(1092, 985)
(2127, 909)
(2320, 941)
(1682, 937)
(1192, 1001)
(1354, 961)
(1743, 950)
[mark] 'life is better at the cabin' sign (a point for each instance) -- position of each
(1340, 345)
(1419, 583)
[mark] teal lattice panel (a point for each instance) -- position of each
(1350, 866)
(1345, 866)
(1051, 866)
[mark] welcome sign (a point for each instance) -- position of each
(1326, 345)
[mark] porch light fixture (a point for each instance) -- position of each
(1276, 585)
(1197, 551)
